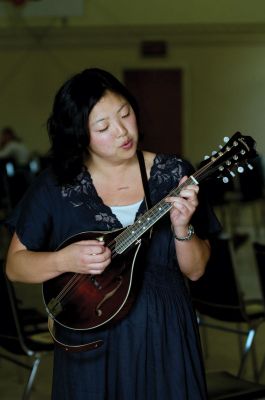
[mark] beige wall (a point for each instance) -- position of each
(223, 64)
(148, 12)
(142, 12)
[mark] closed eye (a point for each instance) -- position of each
(102, 130)
(125, 111)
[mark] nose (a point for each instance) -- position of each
(121, 130)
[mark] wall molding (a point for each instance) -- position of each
(54, 36)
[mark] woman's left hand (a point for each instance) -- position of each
(184, 207)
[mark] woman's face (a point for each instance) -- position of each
(113, 128)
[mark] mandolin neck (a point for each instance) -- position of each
(134, 232)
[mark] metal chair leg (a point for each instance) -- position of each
(248, 344)
(31, 378)
(242, 348)
(255, 363)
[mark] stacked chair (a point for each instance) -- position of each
(259, 252)
(220, 305)
(24, 337)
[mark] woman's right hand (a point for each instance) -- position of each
(85, 257)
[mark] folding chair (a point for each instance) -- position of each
(223, 385)
(21, 333)
(218, 295)
(259, 252)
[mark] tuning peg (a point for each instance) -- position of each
(206, 157)
(214, 153)
(225, 179)
(232, 174)
(250, 166)
(226, 139)
(240, 170)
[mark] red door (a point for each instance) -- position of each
(158, 92)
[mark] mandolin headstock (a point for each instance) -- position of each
(232, 157)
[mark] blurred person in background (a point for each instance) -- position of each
(11, 147)
(14, 168)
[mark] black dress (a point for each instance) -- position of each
(154, 352)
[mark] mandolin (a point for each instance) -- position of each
(86, 302)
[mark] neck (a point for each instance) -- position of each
(109, 167)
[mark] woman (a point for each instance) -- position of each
(95, 184)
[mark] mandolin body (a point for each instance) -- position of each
(84, 302)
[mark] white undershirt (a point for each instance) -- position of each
(126, 214)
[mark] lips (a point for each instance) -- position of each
(127, 145)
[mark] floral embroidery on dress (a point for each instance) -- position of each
(166, 168)
(82, 185)
(108, 219)
(165, 174)
(83, 193)
(79, 193)
(104, 217)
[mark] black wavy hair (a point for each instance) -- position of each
(68, 123)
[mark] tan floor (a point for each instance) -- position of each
(222, 348)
